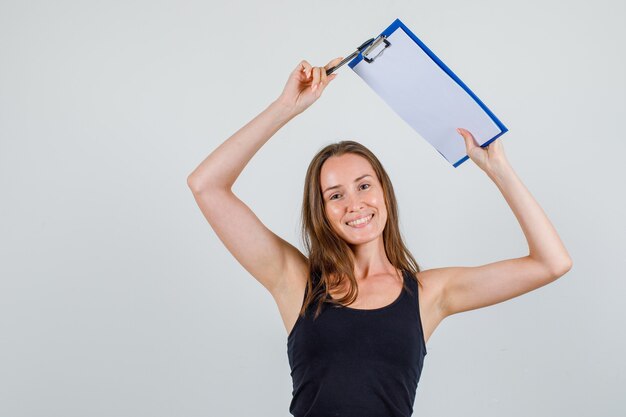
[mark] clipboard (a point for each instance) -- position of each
(424, 92)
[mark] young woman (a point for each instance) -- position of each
(357, 309)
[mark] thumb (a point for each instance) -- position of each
(333, 62)
(470, 142)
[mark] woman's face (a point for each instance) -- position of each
(351, 190)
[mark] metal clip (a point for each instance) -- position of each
(377, 47)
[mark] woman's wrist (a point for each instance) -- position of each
(500, 172)
(283, 110)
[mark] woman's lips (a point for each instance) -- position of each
(361, 225)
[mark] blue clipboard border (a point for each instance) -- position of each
(398, 24)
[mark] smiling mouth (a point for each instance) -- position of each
(361, 222)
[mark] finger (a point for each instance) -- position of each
(467, 136)
(333, 63)
(305, 67)
(316, 77)
(323, 77)
(328, 79)
(470, 142)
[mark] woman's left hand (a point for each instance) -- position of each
(490, 158)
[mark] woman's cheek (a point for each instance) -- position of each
(334, 216)
(333, 212)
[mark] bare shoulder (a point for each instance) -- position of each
(431, 299)
(289, 293)
(432, 281)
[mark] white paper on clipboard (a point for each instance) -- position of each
(427, 97)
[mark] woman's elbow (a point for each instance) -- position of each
(193, 183)
(561, 268)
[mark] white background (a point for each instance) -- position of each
(118, 299)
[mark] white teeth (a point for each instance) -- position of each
(361, 221)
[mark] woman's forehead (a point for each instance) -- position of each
(344, 169)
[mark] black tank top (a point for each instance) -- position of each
(357, 363)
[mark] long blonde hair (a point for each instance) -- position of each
(329, 255)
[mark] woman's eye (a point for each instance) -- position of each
(335, 195)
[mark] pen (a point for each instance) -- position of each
(349, 58)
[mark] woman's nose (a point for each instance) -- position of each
(355, 202)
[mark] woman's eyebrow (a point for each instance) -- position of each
(337, 186)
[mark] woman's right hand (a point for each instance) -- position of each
(305, 85)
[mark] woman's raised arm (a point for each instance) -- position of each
(469, 288)
(266, 256)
